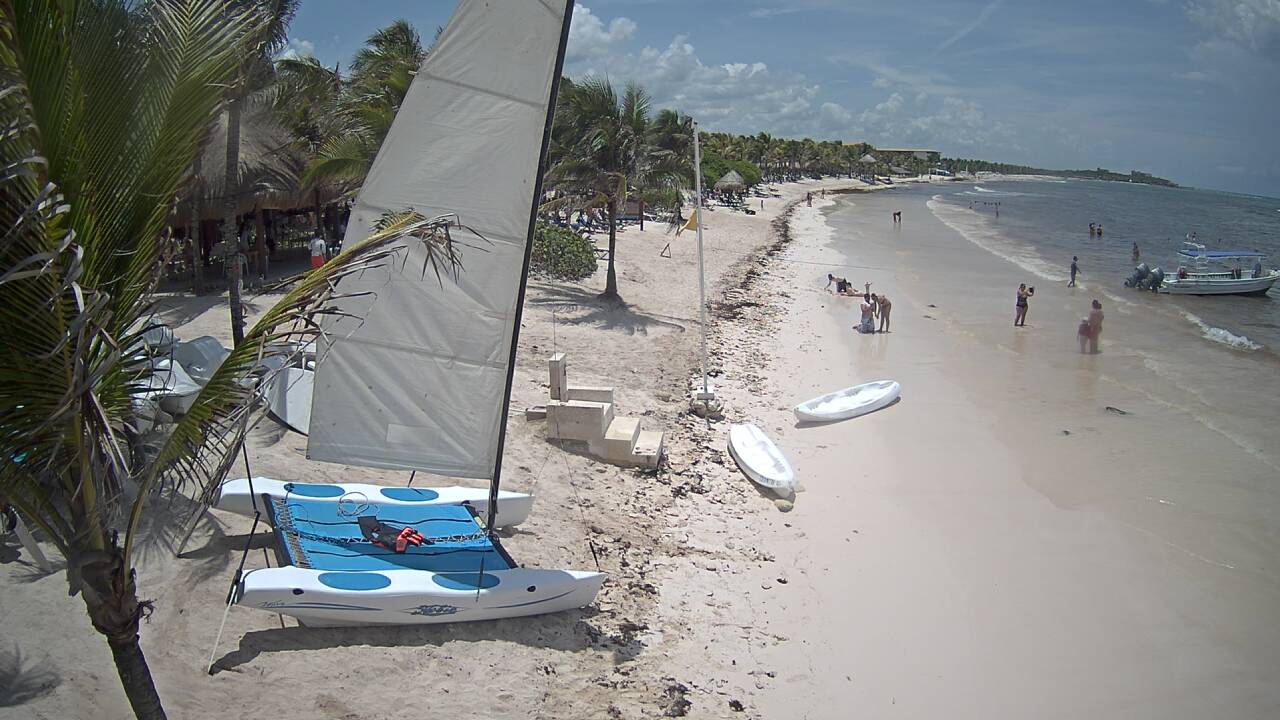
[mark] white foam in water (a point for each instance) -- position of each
(974, 228)
(1225, 337)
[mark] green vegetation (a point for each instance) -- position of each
(562, 253)
(967, 165)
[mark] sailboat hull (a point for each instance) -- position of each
(235, 496)
(319, 598)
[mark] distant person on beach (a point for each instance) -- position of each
(808, 199)
(884, 307)
(1020, 307)
(1136, 254)
(1075, 270)
(843, 286)
(897, 216)
(867, 323)
(1090, 328)
(318, 250)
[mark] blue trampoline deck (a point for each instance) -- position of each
(312, 534)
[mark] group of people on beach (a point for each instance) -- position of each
(872, 306)
(1090, 328)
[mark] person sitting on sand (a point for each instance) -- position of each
(884, 307)
(1020, 307)
(867, 324)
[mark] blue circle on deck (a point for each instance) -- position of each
(410, 494)
(465, 581)
(313, 491)
(354, 580)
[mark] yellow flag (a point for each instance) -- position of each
(691, 223)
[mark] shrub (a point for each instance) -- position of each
(562, 253)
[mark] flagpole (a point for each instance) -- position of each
(705, 395)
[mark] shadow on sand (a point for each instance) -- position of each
(577, 306)
(568, 631)
(21, 682)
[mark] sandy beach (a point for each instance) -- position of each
(981, 549)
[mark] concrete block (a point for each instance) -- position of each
(618, 440)
(578, 419)
(594, 394)
(648, 449)
(535, 412)
(559, 370)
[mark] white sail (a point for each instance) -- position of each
(420, 383)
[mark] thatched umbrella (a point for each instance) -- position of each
(868, 159)
(731, 181)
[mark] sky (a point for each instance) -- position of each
(1184, 89)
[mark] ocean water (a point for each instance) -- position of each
(1042, 224)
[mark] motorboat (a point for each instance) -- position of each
(1219, 272)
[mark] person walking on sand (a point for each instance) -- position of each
(808, 199)
(1075, 270)
(318, 251)
(897, 216)
(884, 306)
(1091, 328)
(1020, 307)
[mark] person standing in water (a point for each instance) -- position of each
(1093, 229)
(1020, 307)
(1136, 254)
(1091, 328)
(1075, 270)
(1099, 229)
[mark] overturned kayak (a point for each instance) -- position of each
(849, 402)
(761, 460)
(235, 496)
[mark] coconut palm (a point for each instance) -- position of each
(270, 35)
(604, 150)
(104, 106)
(381, 73)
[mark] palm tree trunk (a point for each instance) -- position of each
(112, 601)
(231, 195)
(197, 238)
(611, 281)
(260, 220)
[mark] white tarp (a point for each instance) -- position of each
(420, 384)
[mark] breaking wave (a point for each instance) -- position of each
(976, 230)
(1217, 334)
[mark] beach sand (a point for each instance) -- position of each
(997, 544)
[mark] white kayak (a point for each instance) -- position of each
(288, 395)
(849, 402)
(234, 496)
(760, 459)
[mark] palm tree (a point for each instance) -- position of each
(362, 113)
(270, 36)
(605, 149)
(104, 107)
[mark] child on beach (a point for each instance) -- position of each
(1020, 306)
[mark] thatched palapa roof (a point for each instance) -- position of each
(731, 181)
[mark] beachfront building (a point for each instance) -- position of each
(896, 154)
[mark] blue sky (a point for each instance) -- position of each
(1186, 89)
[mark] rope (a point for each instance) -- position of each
(582, 516)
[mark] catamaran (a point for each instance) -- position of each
(414, 372)
(1228, 278)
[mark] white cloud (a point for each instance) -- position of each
(1250, 24)
(973, 25)
(591, 41)
(880, 82)
(298, 48)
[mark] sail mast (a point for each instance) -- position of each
(524, 272)
(706, 395)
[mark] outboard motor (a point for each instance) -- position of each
(1136, 277)
(1155, 279)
